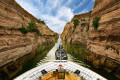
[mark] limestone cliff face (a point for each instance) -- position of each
(79, 34)
(13, 15)
(103, 44)
(66, 35)
(14, 44)
(106, 39)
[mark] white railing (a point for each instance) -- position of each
(35, 73)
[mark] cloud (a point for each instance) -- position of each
(65, 13)
(58, 22)
(56, 13)
(80, 4)
(84, 11)
(30, 8)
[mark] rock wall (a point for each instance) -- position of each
(14, 44)
(106, 39)
(66, 35)
(47, 39)
(79, 34)
(12, 15)
(103, 44)
(17, 48)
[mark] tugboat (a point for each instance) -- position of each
(60, 69)
(60, 53)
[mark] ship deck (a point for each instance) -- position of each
(45, 71)
(68, 76)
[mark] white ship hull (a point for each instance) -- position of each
(35, 73)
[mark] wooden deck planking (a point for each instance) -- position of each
(68, 76)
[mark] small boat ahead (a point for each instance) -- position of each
(60, 53)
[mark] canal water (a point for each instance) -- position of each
(75, 54)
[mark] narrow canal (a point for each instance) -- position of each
(75, 54)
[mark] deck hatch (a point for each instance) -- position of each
(44, 72)
(77, 72)
(61, 75)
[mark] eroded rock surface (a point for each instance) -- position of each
(14, 44)
(12, 15)
(103, 44)
(79, 34)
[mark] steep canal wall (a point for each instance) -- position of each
(13, 43)
(12, 15)
(103, 42)
(79, 34)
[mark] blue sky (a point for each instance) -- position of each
(56, 13)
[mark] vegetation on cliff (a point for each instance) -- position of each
(76, 22)
(83, 25)
(88, 27)
(23, 30)
(96, 22)
(30, 28)
(41, 21)
(82, 19)
(1, 26)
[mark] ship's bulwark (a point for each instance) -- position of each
(68, 66)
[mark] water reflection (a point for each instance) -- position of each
(38, 59)
(51, 54)
(76, 53)
(79, 54)
(75, 60)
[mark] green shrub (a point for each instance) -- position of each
(88, 27)
(30, 28)
(23, 30)
(83, 25)
(43, 22)
(96, 22)
(1, 26)
(75, 22)
(12, 28)
(25, 15)
(39, 20)
(82, 19)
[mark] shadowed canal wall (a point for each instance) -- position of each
(100, 32)
(13, 43)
